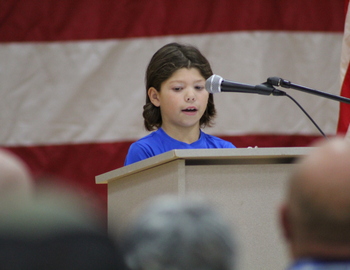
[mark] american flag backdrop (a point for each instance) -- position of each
(72, 74)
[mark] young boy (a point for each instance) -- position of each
(177, 104)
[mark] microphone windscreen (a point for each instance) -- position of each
(213, 84)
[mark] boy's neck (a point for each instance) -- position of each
(186, 135)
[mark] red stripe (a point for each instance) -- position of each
(75, 164)
(344, 111)
(51, 20)
(270, 140)
(78, 164)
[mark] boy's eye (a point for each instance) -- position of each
(178, 88)
(199, 87)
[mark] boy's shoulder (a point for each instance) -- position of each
(216, 141)
(154, 135)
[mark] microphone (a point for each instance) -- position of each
(216, 84)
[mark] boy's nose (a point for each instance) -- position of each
(190, 96)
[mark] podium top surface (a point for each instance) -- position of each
(209, 157)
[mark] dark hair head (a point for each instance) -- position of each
(173, 233)
(163, 64)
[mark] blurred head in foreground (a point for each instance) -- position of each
(178, 234)
(315, 217)
(15, 179)
(49, 226)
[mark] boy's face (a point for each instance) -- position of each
(182, 99)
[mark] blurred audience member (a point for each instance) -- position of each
(52, 228)
(15, 179)
(315, 217)
(173, 233)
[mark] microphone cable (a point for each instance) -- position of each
(319, 129)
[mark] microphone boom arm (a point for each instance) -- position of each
(287, 84)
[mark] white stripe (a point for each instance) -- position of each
(94, 91)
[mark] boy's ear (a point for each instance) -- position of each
(153, 95)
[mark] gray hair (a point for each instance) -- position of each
(179, 234)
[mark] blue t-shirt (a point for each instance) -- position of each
(159, 142)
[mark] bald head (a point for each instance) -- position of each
(317, 209)
(15, 179)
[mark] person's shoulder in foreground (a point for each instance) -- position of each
(319, 264)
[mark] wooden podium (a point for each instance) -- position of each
(246, 184)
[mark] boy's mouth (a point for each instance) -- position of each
(190, 109)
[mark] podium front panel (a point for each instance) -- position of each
(126, 195)
(249, 196)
